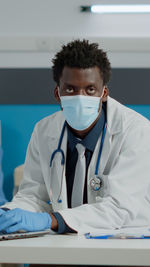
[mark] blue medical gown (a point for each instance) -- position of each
(2, 196)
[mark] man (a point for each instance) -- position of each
(107, 186)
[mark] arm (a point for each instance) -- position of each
(59, 225)
(29, 197)
(54, 224)
(32, 194)
(126, 201)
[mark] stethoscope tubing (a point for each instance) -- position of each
(100, 150)
(59, 150)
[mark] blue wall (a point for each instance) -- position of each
(17, 125)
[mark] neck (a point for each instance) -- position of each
(83, 133)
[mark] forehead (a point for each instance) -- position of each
(89, 75)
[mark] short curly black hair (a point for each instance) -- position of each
(81, 54)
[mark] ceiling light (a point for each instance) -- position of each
(116, 9)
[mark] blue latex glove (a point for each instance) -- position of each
(2, 211)
(18, 219)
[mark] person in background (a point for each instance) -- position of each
(3, 199)
(87, 166)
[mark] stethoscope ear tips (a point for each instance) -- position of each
(59, 201)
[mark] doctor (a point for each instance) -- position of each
(87, 166)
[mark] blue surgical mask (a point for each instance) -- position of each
(80, 111)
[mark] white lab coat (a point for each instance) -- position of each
(124, 199)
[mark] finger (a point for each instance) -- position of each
(8, 215)
(2, 211)
(8, 219)
(5, 221)
(15, 228)
(6, 224)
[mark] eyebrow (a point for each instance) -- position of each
(72, 85)
(69, 84)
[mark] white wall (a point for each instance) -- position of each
(31, 31)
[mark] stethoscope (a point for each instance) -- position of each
(95, 181)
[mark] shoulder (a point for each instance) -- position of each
(121, 117)
(50, 125)
(133, 128)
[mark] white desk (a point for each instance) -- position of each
(67, 249)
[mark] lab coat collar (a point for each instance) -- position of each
(115, 118)
(55, 128)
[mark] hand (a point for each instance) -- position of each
(2, 211)
(18, 219)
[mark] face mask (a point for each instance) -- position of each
(80, 111)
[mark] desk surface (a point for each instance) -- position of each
(73, 249)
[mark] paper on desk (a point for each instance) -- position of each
(123, 231)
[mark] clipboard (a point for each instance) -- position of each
(117, 236)
(122, 233)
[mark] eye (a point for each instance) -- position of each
(91, 91)
(69, 90)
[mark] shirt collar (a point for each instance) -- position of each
(91, 138)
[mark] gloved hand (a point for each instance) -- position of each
(18, 219)
(2, 211)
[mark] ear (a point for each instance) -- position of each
(105, 94)
(56, 94)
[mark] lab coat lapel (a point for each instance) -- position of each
(103, 160)
(57, 170)
(113, 127)
(105, 151)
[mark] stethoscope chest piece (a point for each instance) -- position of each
(95, 183)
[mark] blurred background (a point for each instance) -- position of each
(31, 32)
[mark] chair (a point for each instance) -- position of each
(18, 175)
